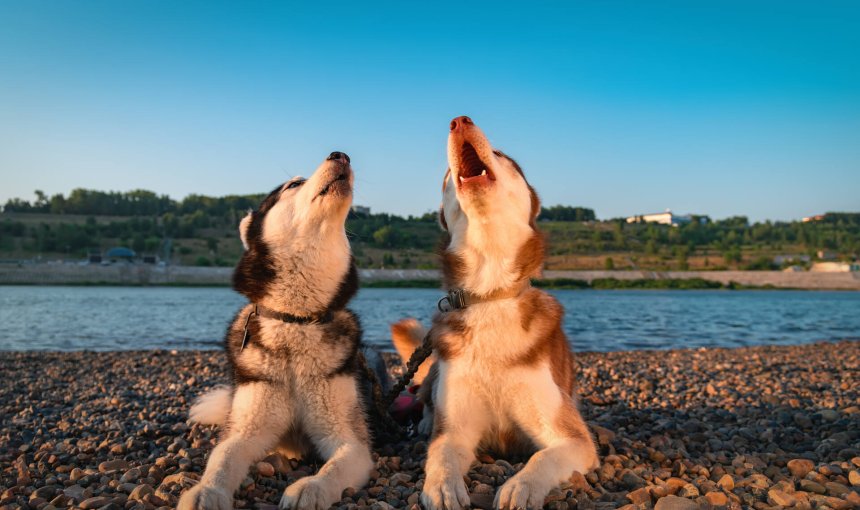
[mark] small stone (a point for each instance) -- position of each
(830, 414)
(854, 477)
(811, 486)
(182, 478)
(727, 482)
(482, 501)
(675, 503)
(674, 484)
(631, 480)
(639, 496)
(112, 465)
(800, 467)
(399, 479)
(75, 492)
(483, 488)
(717, 498)
(96, 502)
(132, 475)
(60, 501)
(140, 492)
(659, 491)
(265, 469)
(37, 503)
(689, 491)
(45, 493)
(836, 489)
(780, 498)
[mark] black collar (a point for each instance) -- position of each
(319, 318)
(261, 311)
(457, 299)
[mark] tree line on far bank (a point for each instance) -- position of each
(204, 227)
(139, 202)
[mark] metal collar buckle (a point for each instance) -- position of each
(245, 334)
(456, 299)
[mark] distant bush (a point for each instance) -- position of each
(566, 213)
(394, 284)
(668, 283)
(761, 264)
(202, 261)
(561, 284)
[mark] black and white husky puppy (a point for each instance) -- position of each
(293, 350)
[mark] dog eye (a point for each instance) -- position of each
(295, 184)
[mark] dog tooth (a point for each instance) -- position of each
(484, 172)
(462, 179)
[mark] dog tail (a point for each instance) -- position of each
(213, 407)
(407, 335)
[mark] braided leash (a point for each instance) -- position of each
(419, 356)
(387, 424)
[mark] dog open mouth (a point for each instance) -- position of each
(472, 170)
(339, 184)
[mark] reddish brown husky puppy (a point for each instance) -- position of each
(503, 374)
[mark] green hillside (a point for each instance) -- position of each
(200, 230)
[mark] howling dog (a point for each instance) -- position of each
(502, 376)
(293, 350)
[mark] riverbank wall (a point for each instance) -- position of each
(143, 274)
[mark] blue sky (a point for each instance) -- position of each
(719, 108)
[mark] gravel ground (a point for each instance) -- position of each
(762, 427)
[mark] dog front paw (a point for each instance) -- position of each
(521, 491)
(447, 494)
(307, 494)
(202, 497)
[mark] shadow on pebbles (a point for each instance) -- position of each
(764, 427)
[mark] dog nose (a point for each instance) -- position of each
(338, 156)
(461, 122)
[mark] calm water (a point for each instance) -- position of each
(108, 318)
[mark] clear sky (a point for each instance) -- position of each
(718, 108)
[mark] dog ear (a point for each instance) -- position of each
(243, 228)
(535, 206)
(442, 222)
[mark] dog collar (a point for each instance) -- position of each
(457, 299)
(268, 313)
(319, 318)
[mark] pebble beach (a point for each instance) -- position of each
(758, 427)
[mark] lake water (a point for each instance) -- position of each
(119, 318)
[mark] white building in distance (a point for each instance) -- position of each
(662, 218)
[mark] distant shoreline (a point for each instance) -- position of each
(190, 276)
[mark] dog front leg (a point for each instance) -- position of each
(566, 445)
(459, 421)
(338, 429)
(257, 418)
